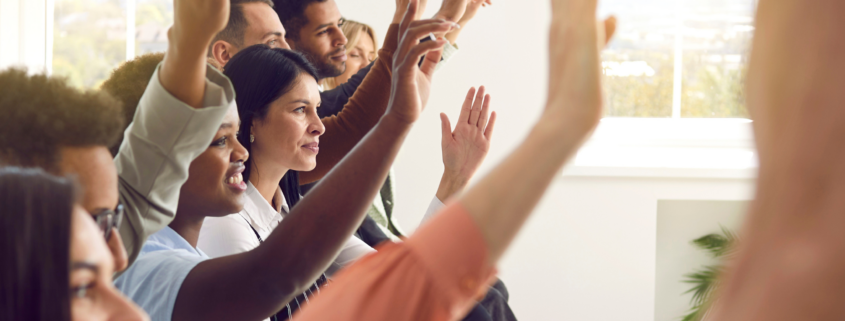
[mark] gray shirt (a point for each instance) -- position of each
(165, 136)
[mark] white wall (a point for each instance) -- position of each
(23, 34)
(588, 253)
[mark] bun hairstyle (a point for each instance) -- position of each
(261, 75)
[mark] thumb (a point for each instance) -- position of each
(445, 128)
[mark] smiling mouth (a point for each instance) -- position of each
(314, 147)
(236, 182)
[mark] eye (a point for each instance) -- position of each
(220, 142)
(272, 43)
(299, 110)
(80, 292)
(354, 55)
(323, 32)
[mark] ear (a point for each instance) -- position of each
(223, 51)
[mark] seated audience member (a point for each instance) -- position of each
(56, 265)
(173, 279)
(360, 49)
(52, 126)
(314, 29)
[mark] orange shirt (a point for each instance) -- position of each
(436, 275)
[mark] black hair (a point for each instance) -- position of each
(261, 75)
(35, 220)
(292, 15)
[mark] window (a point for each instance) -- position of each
(90, 36)
(677, 58)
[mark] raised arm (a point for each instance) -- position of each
(791, 263)
(183, 70)
(177, 116)
(256, 284)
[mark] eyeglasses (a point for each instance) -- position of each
(108, 219)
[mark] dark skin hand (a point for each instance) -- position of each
(255, 284)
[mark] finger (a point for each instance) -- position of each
(408, 18)
(445, 128)
(485, 113)
(418, 31)
(430, 61)
(488, 132)
(417, 52)
(466, 107)
(476, 107)
(609, 29)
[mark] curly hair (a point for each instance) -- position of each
(41, 114)
(292, 15)
(127, 83)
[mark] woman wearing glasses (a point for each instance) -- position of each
(42, 278)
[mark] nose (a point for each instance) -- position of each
(118, 251)
(284, 44)
(119, 308)
(315, 126)
(340, 38)
(239, 153)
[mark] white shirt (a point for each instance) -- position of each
(153, 282)
(232, 234)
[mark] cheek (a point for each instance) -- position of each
(206, 172)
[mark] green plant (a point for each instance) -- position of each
(705, 280)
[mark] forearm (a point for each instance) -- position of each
(450, 184)
(259, 282)
(518, 183)
(363, 111)
(352, 185)
(183, 69)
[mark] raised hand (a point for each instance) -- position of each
(411, 83)
(472, 8)
(575, 40)
(402, 6)
(466, 147)
(195, 23)
(452, 10)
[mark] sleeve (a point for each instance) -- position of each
(433, 207)
(359, 115)
(436, 275)
(334, 99)
(353, 250)
(449, 50)
(158, 147)
(227, 235)
(153, 282)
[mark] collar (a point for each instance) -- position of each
(167, 240)
(262, 216)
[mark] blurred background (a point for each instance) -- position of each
(676, 132)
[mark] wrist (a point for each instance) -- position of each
(451, 183)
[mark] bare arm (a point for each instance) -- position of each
(573, 110)
(256, 284)
(194, 26)
(791, 262)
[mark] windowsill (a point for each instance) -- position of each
(668, 148)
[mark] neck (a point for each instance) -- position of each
(188, 225)
(266, 178)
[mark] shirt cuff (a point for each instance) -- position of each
(449, 50)
(435, 206)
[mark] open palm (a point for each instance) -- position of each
(466, 147)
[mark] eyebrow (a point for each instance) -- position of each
(273, 33)
(304, 101)
(84, 266)
(339, 21)
(226, 125)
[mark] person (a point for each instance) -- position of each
(173, 279)
(360, 51)
(456, 251)
(56, 263)
(152, 164)
(381, 225)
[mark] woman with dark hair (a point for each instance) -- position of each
(174, 279)
(42, 277)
